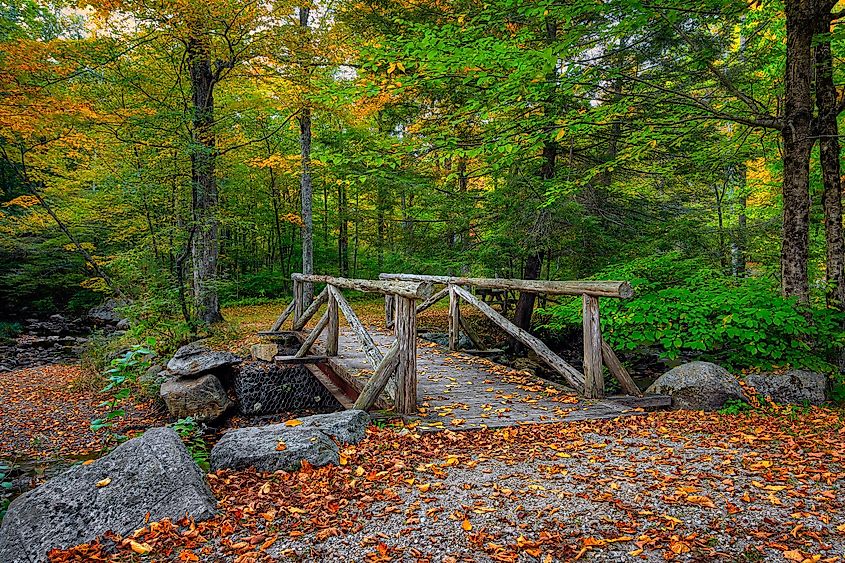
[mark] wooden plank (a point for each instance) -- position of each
(333, 330)
(454, 319)
(370, 348)
(330, 386)
(406, 370)
(300, 359)
(593, 370)
(432, 300)
(376, 384)
(646, 402)
(275, 332)
(621, 289)
(283, 317)
(572, 376)
(411, 290)
(312, 337)
(618, 370)
(306, 315)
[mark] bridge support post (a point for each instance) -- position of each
(333, 332)
(406, 370)
(454, 318)
(593, 365)
(298, 296)
(388, 311)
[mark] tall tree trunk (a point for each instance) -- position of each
(534, 263)
(829, 152)
(343, 231)
(797, 143)
(206, 242)
(306, 191)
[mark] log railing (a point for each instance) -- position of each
(596, 351)
(398, 363)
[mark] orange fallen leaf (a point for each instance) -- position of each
(466, 525)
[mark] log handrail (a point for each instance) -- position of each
(409, 289)
(619, 289)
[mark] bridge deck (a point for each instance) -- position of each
(461, 391)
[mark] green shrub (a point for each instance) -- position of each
(9, 331)
(191, 435)
(680, 308)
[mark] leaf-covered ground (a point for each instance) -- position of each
(44, 415)
(668, 486)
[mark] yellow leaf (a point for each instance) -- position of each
(293, 422)
(466, 525)
(104, 482)
(793, 555)
(140, 548)
(424, 487)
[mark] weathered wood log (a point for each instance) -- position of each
(432, 300)
(370, 349)
(388, 310)
(306, 315)
(298, 303)
(406, 370)
(593, 370)
(375, 386)
(618, 370)
(300, 360)
(454, 319)
(333, 329)
(621, 289)
(572, 376)
(283, 317)
(312, 337)
(411, 290)
(471, 334)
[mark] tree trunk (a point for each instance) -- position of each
(829, 152)
(797, 144)
(206, 245)
(343, 231)
(306, 191)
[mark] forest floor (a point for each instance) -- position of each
(686, 486)
(679, 486)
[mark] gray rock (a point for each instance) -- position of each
(122, 324)
(442, 338)
(311, 440)
(795, 387)
(196, 359)
(203, 399)
(260, 447)
(106, 313)
(153, 474)
(347, 427)
(698, 386)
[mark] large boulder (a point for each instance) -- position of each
(203, 399)
(698, 386)
(195, 359)
(796, 387)
(107, 313)
(284, 447)
(152, 474)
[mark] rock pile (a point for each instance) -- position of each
(193, 382)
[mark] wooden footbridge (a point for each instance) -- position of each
(388, 367)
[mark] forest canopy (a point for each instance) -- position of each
(188, 153)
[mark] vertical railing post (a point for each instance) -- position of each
(388, 310)
(454, 319)
(406, 370)
(593, 367)
(297, 301)
(333, 328)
